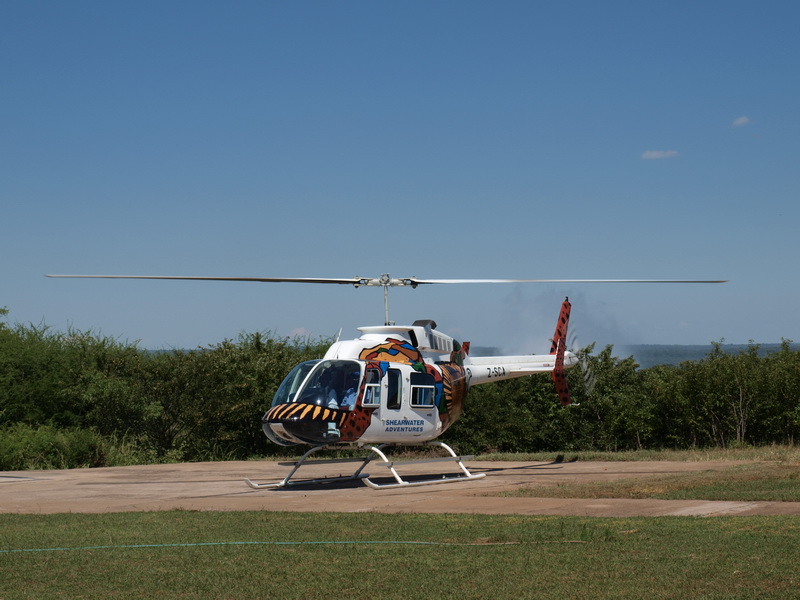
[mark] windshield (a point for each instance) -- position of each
(331, 383)
(288, 388)
(339, 378)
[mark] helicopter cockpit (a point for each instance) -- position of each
(328, 384)
(322, 383)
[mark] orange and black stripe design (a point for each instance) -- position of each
(306, 413)
(557, 348)
(560, 336)
(454, 379)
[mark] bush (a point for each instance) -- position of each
(76, 399)
(25, 447)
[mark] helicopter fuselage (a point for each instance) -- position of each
(394, 384)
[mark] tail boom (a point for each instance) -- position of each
(485, 369)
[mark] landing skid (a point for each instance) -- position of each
(375, 452)
(400, 482)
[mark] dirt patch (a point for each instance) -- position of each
(220, 486)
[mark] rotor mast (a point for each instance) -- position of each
(386, 281)
(386, 322)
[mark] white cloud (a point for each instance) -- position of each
(656, 154)
(741, 121)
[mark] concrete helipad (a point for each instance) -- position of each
(220, 486)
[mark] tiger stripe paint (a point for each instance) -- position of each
(295, 409)
(557, 348)
(300, 412)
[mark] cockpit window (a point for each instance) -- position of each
(288, 389)
(335, 381)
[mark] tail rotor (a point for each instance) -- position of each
(588, 376)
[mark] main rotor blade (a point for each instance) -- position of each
(385, 280)
(350, 281)
(425, 281)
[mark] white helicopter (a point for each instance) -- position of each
(394, 385)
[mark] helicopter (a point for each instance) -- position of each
(395, 385)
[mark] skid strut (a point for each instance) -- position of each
(302, 461)
(376, 452)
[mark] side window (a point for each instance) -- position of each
(372, 393)
(423, 389)
(395, 377)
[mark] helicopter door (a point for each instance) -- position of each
(408, 413)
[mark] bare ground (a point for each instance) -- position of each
(221, 486)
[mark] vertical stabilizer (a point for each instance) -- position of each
(558, 347)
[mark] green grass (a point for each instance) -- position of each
(243, 555)
(467, 556)
(781, 453)
(744, 482)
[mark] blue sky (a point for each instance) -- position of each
(441, 139)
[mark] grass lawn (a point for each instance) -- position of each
(241, 555)
(783, 454)
(746, 482)
(293, 555)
